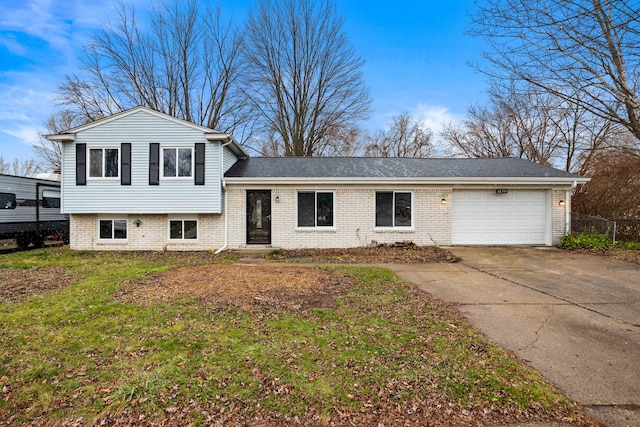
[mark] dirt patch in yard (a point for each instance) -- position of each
(244, 287)
(17, 284)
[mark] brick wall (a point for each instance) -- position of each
(354, 218)
(152, 234)
(559, 214)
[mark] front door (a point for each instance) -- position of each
(259, 217)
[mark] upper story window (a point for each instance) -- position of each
(103, 162)
(177, 162)
(393, 209)
(7, 201)
(315, 209)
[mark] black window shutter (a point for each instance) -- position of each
(125, 166)
(199, 175)
(81, 164)
(154, 163)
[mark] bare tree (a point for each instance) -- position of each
(586, 52)
(19, 167)
(184, 63)
(302, 75)
(405, 136)
(49, 153)
(532, 125)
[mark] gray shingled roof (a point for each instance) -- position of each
(390, 167)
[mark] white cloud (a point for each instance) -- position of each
(23, 133)
(434, 116)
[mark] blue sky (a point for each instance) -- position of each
(416, 57)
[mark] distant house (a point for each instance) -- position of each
(142, 180)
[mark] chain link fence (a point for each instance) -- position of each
(627, 230)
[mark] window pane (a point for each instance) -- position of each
(106, 229)
(191, 229)
(7, 201)
(184, 162)
(110, 162)
(403, 210)
(325, 209)
(169, 159)
(175, 229)
(384, 209)
(95, 163)
(120, 229)
(306, 209)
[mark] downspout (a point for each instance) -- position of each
(567, 207)
(224, 192)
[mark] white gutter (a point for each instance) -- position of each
(224, 191)
(567, 205)
(494, 181)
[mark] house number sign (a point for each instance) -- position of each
(501, 191)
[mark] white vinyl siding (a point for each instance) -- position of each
(484, 217)
(171, 196)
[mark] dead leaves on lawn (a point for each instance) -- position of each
(244, 287)
(17, 284)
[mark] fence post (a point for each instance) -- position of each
(614, 232)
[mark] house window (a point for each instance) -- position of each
(113, 229)
(183, 229)
(393, 209)
(7, 201)
(315, 209)
(103, 163)
(51, 199)
(177, 162)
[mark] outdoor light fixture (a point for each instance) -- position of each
(443, 201)
(561, 203)
(277, 199)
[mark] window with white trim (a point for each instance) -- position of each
(113, 229)
(393, 209)
(104, 162)
(183, 229)
(177, 162)
(315, 209)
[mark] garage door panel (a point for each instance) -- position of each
(485, 217)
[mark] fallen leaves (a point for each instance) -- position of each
(405, 252)
(17, 284)
(272, 286)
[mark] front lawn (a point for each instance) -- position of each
(133, 339)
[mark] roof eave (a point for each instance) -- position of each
(225, 137)
(61, 137)
(410, 180)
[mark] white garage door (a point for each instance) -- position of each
(483, 217)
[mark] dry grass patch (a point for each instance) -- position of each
(244, 287)
(17, 284)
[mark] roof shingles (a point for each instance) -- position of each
(390, 167)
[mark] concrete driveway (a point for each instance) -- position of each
(575, 318)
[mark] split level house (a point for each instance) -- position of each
(143, 180)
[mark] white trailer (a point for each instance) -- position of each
(30, 209)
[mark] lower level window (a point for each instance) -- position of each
(183, 229)
(113, 228)
(393, 209)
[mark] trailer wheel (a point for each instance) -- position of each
(38, 241)
(23, 240)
